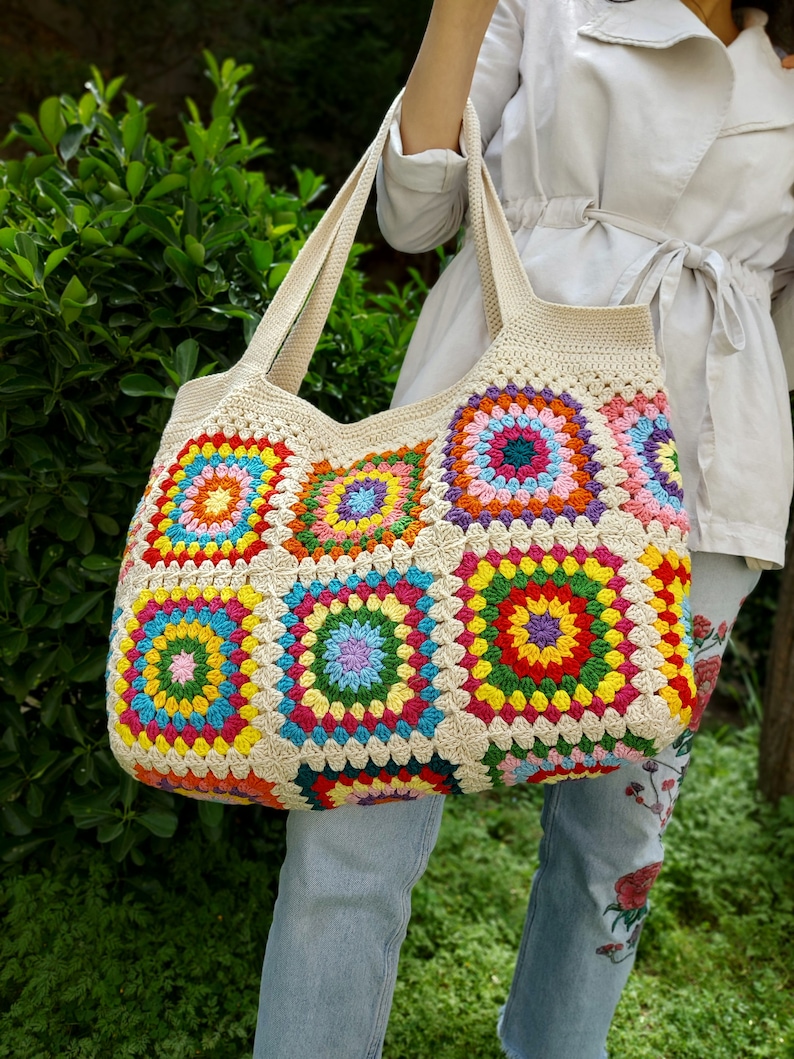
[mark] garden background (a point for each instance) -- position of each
(138, 245)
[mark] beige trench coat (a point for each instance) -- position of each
(638, 159)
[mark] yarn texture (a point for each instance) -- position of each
(487, 587)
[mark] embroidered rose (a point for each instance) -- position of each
(706, 671)
(632, 889)
(701, 626)
(722, 632)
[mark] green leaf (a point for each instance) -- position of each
(69, 143)
(218, 135)
(211, 813)
(104, 522)
(133, 128)
(16, 820)
(86, 108)
(159, 822)
(56, 197)
(200, 183)
(136, 178)
(165, 187)
(17, 538)
(79, 606)
(262, 253)
(75, 291)
(24, 266)
(113, 88)
(185, 359)
(178, 260)
(196, 251)
(50, 556)
(195, 137)
(51, 120)
(107, 832)
(54, 258)
(34, 167)
(224, 228)
(90, 668)
(99, 562)
(139, 385)
(157, 221)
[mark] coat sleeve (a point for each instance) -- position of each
(783, 309)
(422, 197)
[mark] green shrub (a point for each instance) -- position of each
(128, 265)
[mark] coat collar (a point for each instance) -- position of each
(646, 24)
(763, 92)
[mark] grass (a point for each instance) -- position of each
(98, 967)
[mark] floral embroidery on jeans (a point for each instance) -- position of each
(616, 951)
(631, 901)
(664, 781)
(704, 633)
(631, 905)
(706, 671)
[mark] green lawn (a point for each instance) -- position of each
(94, 966)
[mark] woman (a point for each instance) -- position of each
(644, 151)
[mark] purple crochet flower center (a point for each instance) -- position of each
(544, 631)
(350, 511)
(354, 655)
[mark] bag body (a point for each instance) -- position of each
(487, 587)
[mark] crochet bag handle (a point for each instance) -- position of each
(288, 333)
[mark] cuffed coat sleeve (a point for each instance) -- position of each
(422, 197)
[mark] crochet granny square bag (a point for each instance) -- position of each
(487, 587)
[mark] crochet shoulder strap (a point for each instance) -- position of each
(288, 333)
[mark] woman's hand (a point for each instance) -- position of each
(441, 78)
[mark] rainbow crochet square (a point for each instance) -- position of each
(358, 659)
(185, 677)
(520, 454)
(347, 510)
(546, 634)
(373, 785)
(670, 577)
(209, 787)
(642, 433)
(214, 502)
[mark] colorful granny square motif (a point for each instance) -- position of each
(358, 659)
(545, 634)
(520, 454)
(670, 577)
(185, 674)
(650, 458)
(230, 790)
(214, 502)
(543, 764)
(349, 510)
(394, 783)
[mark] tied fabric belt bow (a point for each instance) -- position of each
(658, 273)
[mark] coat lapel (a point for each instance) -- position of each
(646, 24)
(763, 92)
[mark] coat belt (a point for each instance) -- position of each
(658, 272)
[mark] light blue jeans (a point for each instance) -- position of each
(345, 895)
